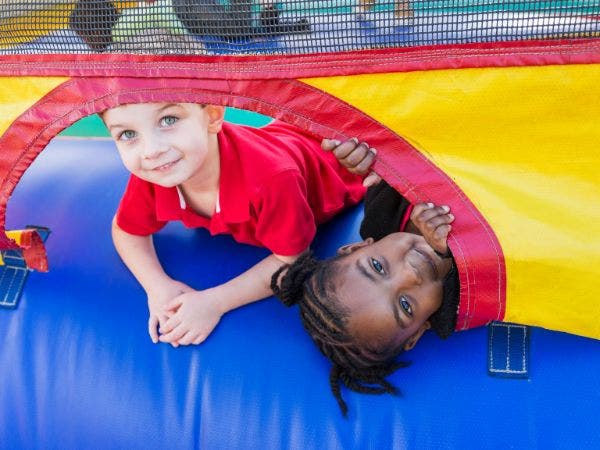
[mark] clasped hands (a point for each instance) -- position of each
(181, 315)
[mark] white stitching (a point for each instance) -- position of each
(507, 369)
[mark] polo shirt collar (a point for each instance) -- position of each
(183, 203)
(233, 200)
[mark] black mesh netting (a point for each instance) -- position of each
(289, 26)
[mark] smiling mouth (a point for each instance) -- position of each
(429, 262)
(165, 167)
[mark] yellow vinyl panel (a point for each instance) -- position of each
(523, 144)
(18, 94)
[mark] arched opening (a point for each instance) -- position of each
(476, 249)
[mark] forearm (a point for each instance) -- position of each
(139, 255)
(250, 286)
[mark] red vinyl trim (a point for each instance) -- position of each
(476, 249)
(404, 59)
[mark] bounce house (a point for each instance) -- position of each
(488, 107)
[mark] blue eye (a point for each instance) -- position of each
(127, 135)
(377, 266)
(405, 305)
(167, 121)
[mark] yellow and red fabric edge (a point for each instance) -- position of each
(458, 125)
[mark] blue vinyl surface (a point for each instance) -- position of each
(78, 370)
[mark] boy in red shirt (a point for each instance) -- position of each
(269, 186)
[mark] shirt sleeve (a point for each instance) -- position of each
(136, 213)
(285, 222)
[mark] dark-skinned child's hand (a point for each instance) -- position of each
(433, 222)
(355, 156)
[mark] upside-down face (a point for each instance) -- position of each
(390, 288)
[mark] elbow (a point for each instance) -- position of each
(288, 259)
(115, 229)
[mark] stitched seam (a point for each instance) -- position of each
(15, 271)
(491, 347)
(508, 349)
(282, 64)
(507, 369)
(524, 350)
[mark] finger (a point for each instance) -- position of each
(418, 209)
(366, 163)
(171, 324)
(329, 144)
(187, 338)
(175, 335)
(199, 340)
(173, 304)
(441, 233)
(436, 221)
(355, 157)
(345, 148)
(162, 319)
(152, 328)
(435, 211)
(371, 180)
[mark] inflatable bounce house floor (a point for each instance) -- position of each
(491, 108)
(78, 369)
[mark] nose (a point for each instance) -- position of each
(153, 147)
(407, 273)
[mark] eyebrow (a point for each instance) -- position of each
(167, 106)
(397, 317)
(364, 271)
(115, 127)
(159, 111)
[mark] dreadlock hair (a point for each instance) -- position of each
(308, 282)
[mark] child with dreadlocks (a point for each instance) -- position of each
(376, 298)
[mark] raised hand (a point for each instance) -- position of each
(433, 222)
(355, 156)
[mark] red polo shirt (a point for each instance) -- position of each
(276, 185)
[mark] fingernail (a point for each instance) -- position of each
(373, 150)
(335, 142)
(355, 140)
(451, 216)
(430, 205)
(446, 208)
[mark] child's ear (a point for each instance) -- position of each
(349, 248)
(216, 115)
(412, 341)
